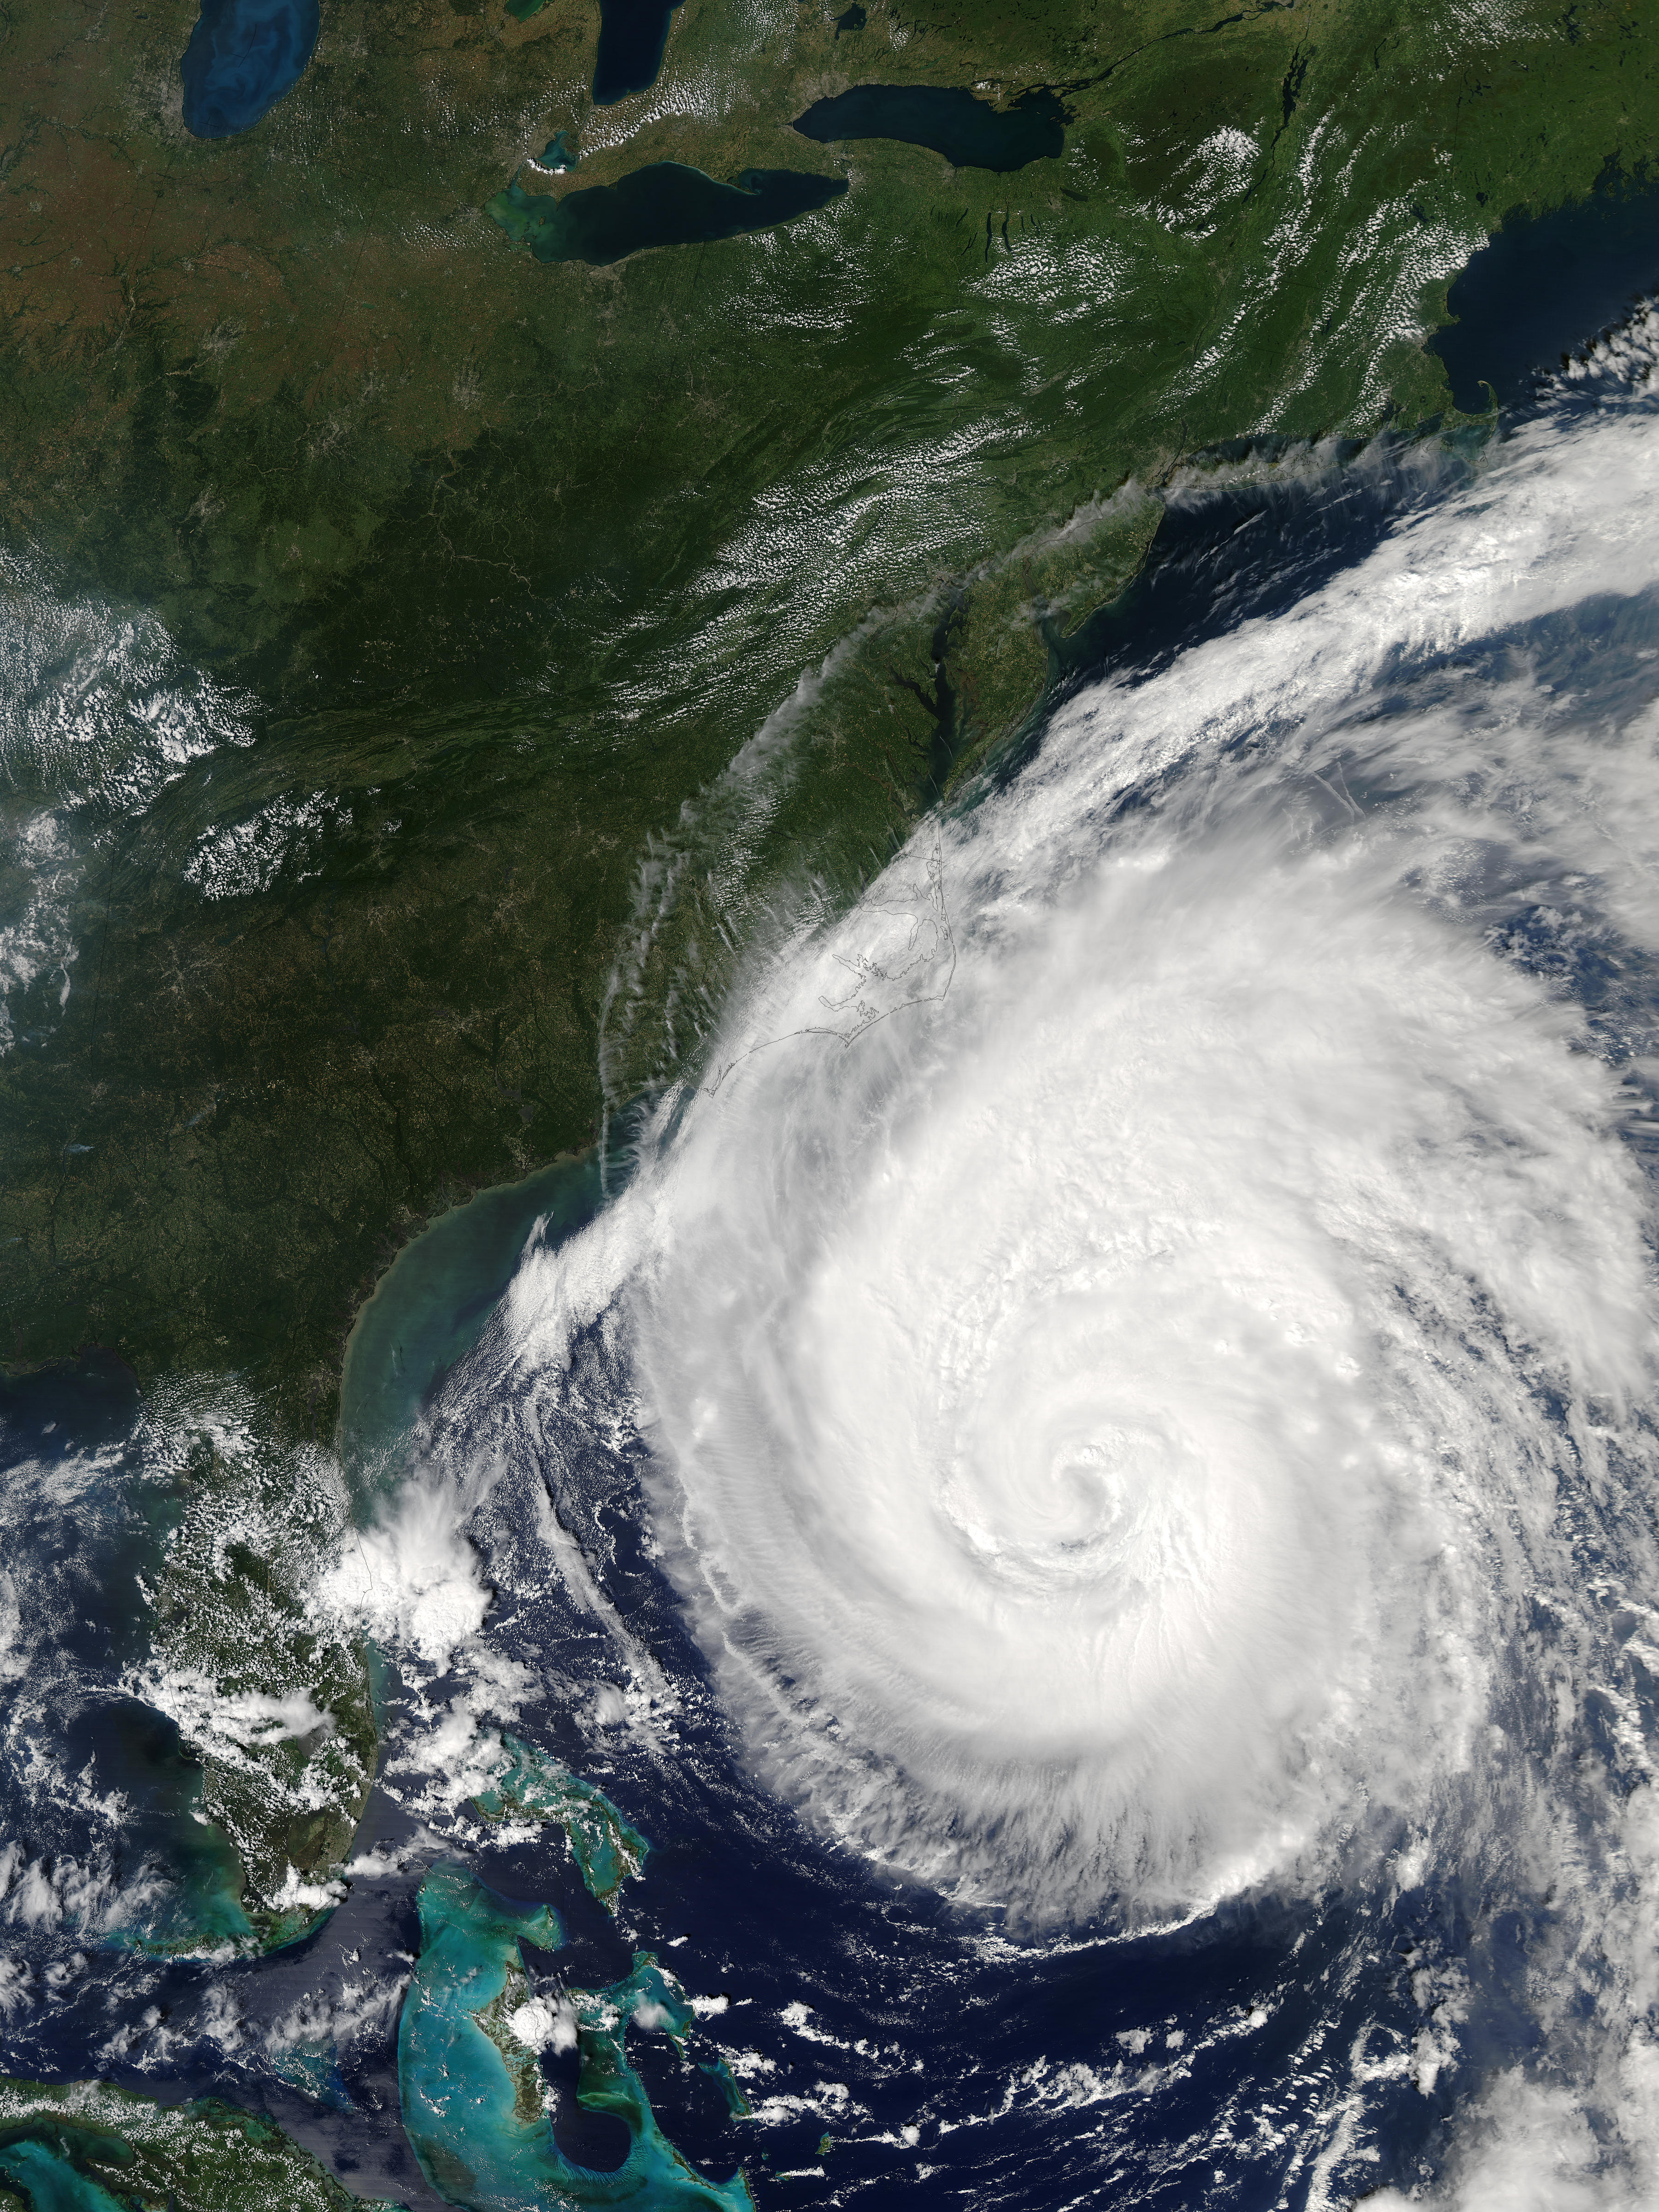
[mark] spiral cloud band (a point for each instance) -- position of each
(1126, 1315)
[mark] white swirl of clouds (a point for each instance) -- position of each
(1115, 1407)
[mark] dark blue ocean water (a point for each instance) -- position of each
(1543, 284)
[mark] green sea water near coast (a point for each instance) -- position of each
(429, 1306)
(52, 2183)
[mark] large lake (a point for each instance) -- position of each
(667, 203)
(970, 133)
(243, 55)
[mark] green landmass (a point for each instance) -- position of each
(91, 2147)
(270, 1691)
(513, 559)
(565, 632)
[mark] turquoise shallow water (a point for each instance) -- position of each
(607, 1849)
(473, 2098)
(51, 2183)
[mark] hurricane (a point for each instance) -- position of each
(1102, 1404)
(1054, 1557)
(1142, 1332)
(829, 1021)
